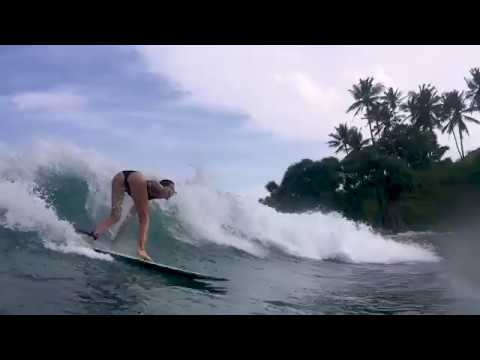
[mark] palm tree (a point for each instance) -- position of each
(448, 103)
(473, 93)
(355, 139)
(424, 108)
(454, 112)
(392, 100)
(366, 94)
(340, 138)
(381, 115)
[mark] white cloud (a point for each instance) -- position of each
(49, 101)
(301, 91)
(381, 76)
(270, 84)
(62, 106)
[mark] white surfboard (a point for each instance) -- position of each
(151, 264)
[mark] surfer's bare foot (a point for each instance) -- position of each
(143, 254)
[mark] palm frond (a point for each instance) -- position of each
(469, 118)
(356, 105)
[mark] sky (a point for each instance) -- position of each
(242, 114)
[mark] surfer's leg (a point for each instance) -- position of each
(140, 199)
(118, 193)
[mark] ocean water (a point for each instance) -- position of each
(276, 263)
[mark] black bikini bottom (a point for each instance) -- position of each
(126, 174)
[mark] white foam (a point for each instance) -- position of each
(23, 210)
(208, 215)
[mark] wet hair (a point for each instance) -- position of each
(167, 182)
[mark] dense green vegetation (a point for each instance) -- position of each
(396, 179)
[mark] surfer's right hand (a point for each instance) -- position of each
(143, 254)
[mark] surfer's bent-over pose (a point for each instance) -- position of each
(140, 190)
